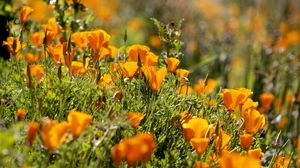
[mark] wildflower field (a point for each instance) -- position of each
(138, 83)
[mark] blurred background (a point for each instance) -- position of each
(237, 42)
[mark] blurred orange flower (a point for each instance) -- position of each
(54, 133)
(199, 164)
(30, 58)
(255, 153)
(37, 38)
(14, 46)
(222, 140)
(25, 12)
(21, 114)
(98, 40)
(235, 160)
(182, 73)
(155, 77)
(33, 128)
(77, 68)
(52, 29)
(135, 118)
(56, 53)
(36, 74)
(266, 99)
(172, 64)
(206, 88)
(137, 49)
(184, 89)
(137, 148)
(78, 121)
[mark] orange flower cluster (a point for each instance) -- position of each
(54, 133)
(239, 100)
(134, 149)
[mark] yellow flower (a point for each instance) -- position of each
(135, 118)
(25, 11)
(78, 122)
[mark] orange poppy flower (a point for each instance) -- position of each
(30, 58)
(129, 68)
(184, 89)
(253, 121)
(199, 164)
(21, 114)
(206, 88)
(80, 39)
(266, 99)
(235, 160)
(137, 148)
(78, 121)
(155, 77)
(33, 128)
(135, 118)
(155, 41)
(25, 12)
(36, 73)
(255, 153)
(246, 141)
(282, 162)
(37, 38)
(52, 28)
(107, 80)
(182, 73)
(249, 103)
(200, 144)
(98, 41)
(113, 51)
(195, 128)
(77, 68)
(150, 60)
(233, 98)
(135, 50)
(56, 53)
(222, 140)
(172, 64)
(54, 133)
(14, 46)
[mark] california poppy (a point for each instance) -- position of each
(195, 128)
(137, 50)
(222, 140)
(172, 64)
(233, 98)
(56, 53)
(200, 144)
(25, 12)
(31, 58)
(155, 77)
(135, 118)
(37, 38)
(14, 46)
(77, 68)
(129, 68)
(246, 140)
(78, 121)
(36, 74)
(253, 121)
(21, 114)
(33, 128)
(235, 160)
(137, 148)
(266, 99)
(255, 153)
(53, 133)
(52, 29)
(80, 39)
